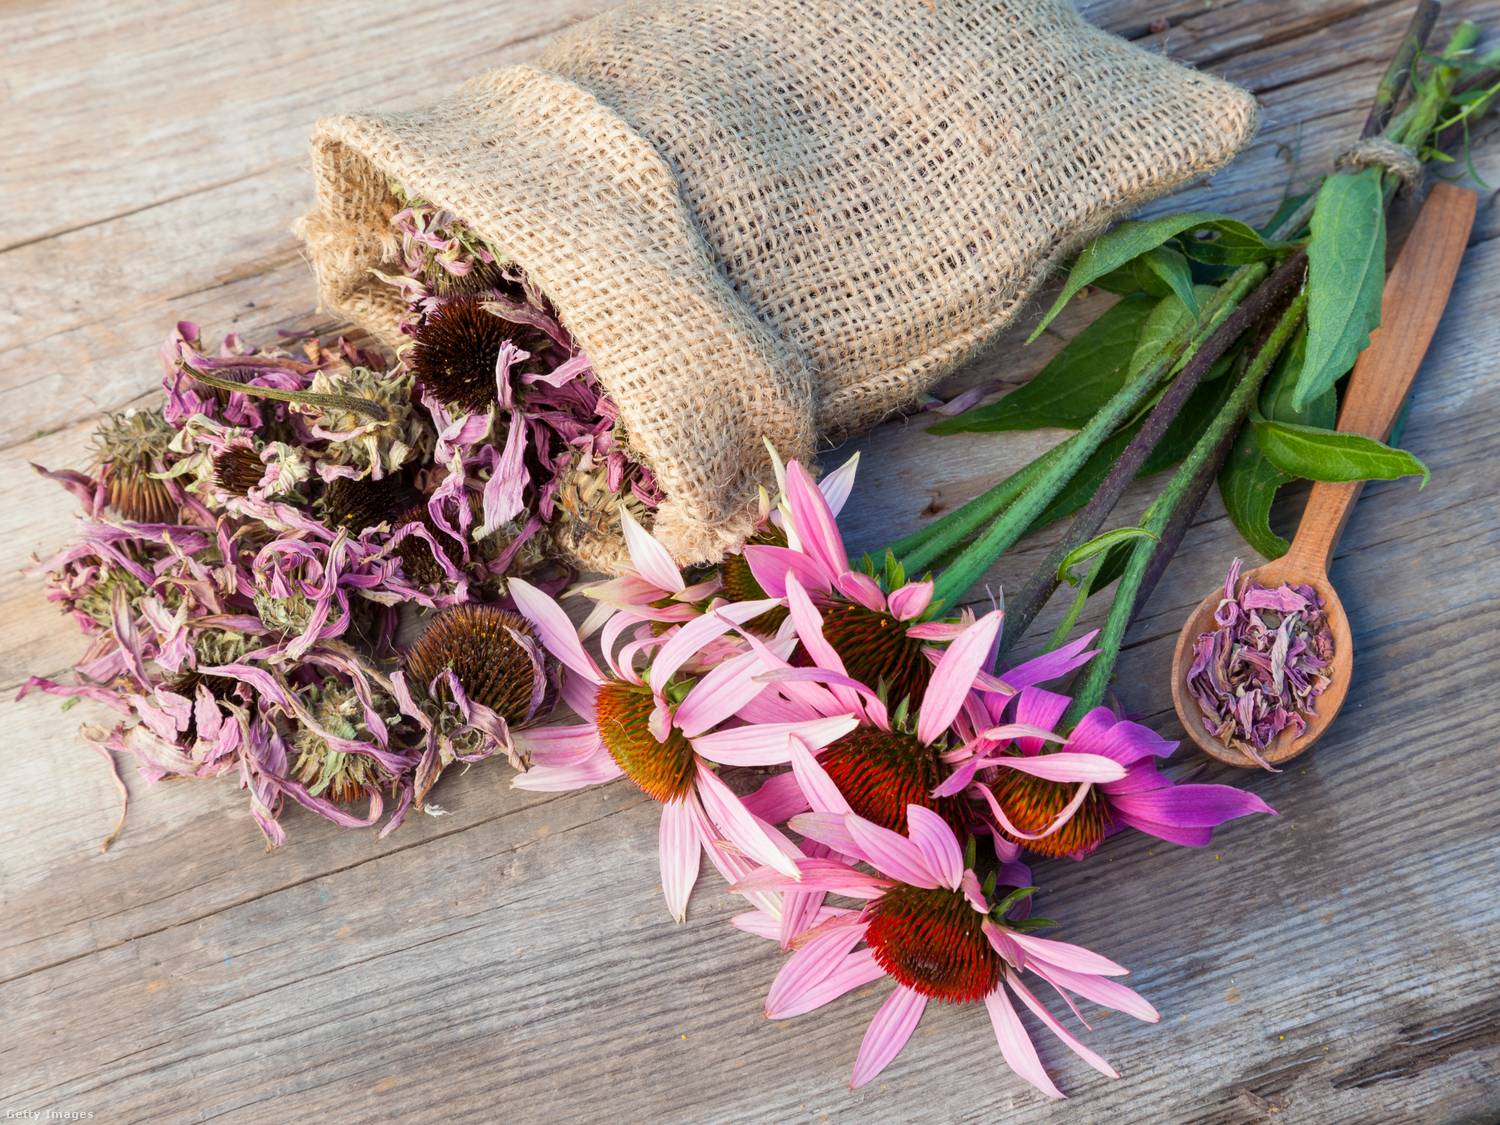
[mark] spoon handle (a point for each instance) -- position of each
(1415, 293)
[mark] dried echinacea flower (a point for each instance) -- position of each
(361, 503)
(491, 653)
(1261, 670)
(131, 447)
(456, 349)
(238, 470)
(326, 768)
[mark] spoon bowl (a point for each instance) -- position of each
(1415, 293)
(1286, 745)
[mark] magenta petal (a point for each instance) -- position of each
(887, 1034)
(812, 521)
(1066, 955)
(1055, 1026)
(953, 678)
(857, 970)
(891, 853)
(770, 566)
(652, 562)
(779, 798)
(1190, 806)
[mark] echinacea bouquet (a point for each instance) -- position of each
(606, 297)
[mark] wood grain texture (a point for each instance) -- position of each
(513, 958)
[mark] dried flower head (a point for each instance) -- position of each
(238, 469)
(342, 776)
(415, 552)
(490, 652)
(361, 503)
(456, 350)
(130, 448)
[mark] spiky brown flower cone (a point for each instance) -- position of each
(875, 648)
(363, 503)
(237, 470)
(478, 643)
(931, 941)
(417, 559)
(881, 772)
(456, 348)
(134, 494)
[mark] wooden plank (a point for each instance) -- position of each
(515, 954)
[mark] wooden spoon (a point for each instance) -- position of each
(1415, 293)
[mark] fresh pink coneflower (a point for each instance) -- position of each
(645, 721)
(880, 636)
(1053, 817)
(891, 760)
(931, 925)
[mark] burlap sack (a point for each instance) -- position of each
(776, 218)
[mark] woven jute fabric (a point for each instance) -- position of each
(776, 220)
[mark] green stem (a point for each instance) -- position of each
(980, 555)
(372, 410)
(1413, 126)
(1159, 514)
(928, 544)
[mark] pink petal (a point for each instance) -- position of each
(1039, 709)
(553, 627)
(973, 892)
(857, 970)
(561, 779)
(1065, 955)
(935, 840)
(809, 626)
(738, 825)
(1064, 766)
(1015, 1045)
(891, 853)
(691, 638)
(560, 746)
(826, 828)
(813, 963)
(769, 744)
(953, 678)
(652, 560)
(1101, 990)
(680, 852)
(720, 694)
(837, 485)
(1056, 1027)
(910, 601)
(772, 566)
(861, 589)
(888, 1033)
(779, 798)
(822, 794)
(1000, 941)
(812, 521)
(817, 874)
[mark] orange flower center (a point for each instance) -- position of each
(1032, 804)
(663, 770)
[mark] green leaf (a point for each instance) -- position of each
(1074, 385)
(1173, 269)
(1305, 451)
(1345, 278)
(1130, 240)
(1248, 484)
(1233, 243)
(1097, 545)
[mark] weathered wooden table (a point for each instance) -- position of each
(512, 958)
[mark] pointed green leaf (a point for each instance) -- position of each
(1305, 451)
(1075, 383)
(1345, 278)
(1129, 240)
